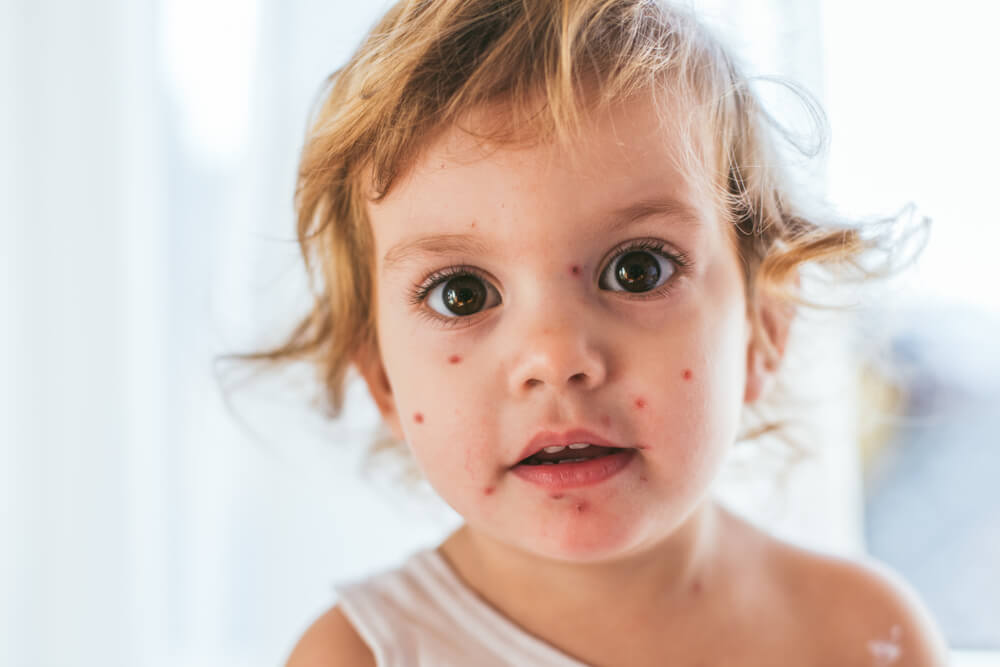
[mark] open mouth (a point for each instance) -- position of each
(575, 453)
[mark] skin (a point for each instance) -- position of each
(667, 371)
(558, 350)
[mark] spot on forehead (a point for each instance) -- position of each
(640, 403)
(688, 374)
(418, 417)
(488, 490)
(454, 359)
(574, 270)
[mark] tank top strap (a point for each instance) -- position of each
(422, 613)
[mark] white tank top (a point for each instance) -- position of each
(422, 614)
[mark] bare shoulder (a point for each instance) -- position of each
(868, 614)
(331, 641)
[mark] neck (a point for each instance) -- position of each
(661, 577)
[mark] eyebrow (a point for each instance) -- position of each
(669, 207)
(468, 244)
(434, 244)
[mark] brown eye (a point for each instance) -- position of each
(462, 295)
(637, 271)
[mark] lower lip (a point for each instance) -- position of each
(562, 476)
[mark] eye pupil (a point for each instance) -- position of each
(464, 295)
(637, 271)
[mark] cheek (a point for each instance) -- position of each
(451, 443)
(687, 404)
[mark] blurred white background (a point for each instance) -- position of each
(147, 164)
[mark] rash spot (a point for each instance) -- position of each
(580, 507)
(418, 417)
(642, 478)
(488, 491)
(556, 496)
(454, 359)
(687, 374)
(606, 420)
(696, 587)
(640, 403)
(575, 270)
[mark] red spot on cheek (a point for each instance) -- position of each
(581, 507)
(454, 359)
(575, 270)
(556, 496)
(418, 417)
(687, 374)
(606, 420)
(488, 491)
(696, 587)
(642, 478)
(640, 403)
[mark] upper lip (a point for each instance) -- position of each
(545, 439)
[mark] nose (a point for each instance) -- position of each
(558, 356)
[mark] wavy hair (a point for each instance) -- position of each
(426, 63)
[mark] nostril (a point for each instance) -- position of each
(578, 378)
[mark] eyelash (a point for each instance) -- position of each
(679, 258)
(420, 291)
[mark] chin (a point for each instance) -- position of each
(585, 542)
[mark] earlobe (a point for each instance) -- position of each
(368, 361)
(766, 347)
(759, 376)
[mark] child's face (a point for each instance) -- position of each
(520, 293)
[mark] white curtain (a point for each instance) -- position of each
(147, 165)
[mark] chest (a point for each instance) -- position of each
(764, 633)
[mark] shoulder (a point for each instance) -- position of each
(868, 613)
(331, 641)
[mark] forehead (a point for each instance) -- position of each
(630, 152)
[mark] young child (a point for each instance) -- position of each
(553, 238)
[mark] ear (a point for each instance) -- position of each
(766, 347)
(368, 361)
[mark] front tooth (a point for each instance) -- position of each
(579, 445)
(553, 449)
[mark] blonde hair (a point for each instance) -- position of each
(428, 62)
